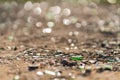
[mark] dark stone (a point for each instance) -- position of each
(14, 48)
(115, 68)
(103, 45)
(32, 68)
(70, 64)
(107, 69)
(87, 72)
(64, 63)
(100, 70)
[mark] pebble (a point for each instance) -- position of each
(107, 67)
(87, 72)
(66, 12)
(55, 10)
(58, 74)
(32, 67)
(39, 24)
(92, 61)
(17, 77)
(28, 5)
(78, 25)
(66, 22)
(47, 30)
(50, 24)
(50, 72)
(37, 11)
(39, 73)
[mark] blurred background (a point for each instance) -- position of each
(40, 14)
(71, 1)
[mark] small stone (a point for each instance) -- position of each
(75, 47)
(66, 12)
(11, 37)
(82, 67)
(67, 48)
(66, 22)
(55, 9)
(28, 5)
(1, 49)
(99, 70)
(47, 30)
(112, 1)
(50, 24)
(64, 63)
(107, 67)
(39, 24)
(9, 47)
(58, 74)
(56, 79)
(70, 74)
(78, 25)
(32, 67)
(50, 72)
(92, 61)
(14, 48)
(17, 77)
(72, 44)
(87, 72)
(39, 73)
(37, 11)
(73, 76)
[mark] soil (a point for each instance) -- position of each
(26, 50)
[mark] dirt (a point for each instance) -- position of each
(26, 47)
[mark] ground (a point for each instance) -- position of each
(26, 50)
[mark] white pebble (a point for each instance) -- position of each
(70, 74)
(28, 5)
(55, 9)
(76, 33)
(50, 72)
(40, 73)
(37, 11)
(71, 33)
(17, 77)
(72, 44)
(69, 40)
(73, 76)
(112, 1)
(38, 24)
(58, 74)
(47, 30)
(75, 47)
(78, 25)
(84, 23)
(66, 22)
(67, 48)
(50, 24)
(66, 12)
(56, 79)
(30, 19)
(53, 39)
(101, 23)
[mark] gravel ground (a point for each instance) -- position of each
(39, 41)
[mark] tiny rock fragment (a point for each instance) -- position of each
(50, 72)
(17, 77)
(39, 73)
(32, 67)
